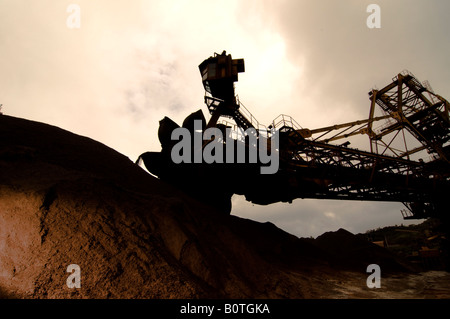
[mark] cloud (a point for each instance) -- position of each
(342, 59)
(330, 215)
(132, 63)
(312, 217)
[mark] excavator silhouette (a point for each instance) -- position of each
(407, 159)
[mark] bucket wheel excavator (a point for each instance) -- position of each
(407, 159)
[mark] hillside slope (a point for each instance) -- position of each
(67, 199)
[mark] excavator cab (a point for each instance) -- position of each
(219, 74)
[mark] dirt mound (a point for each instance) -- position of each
(66, 199)
(350, 251)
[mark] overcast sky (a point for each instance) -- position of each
(133, 62)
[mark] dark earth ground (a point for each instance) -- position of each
(66, 199)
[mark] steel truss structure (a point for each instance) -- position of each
(408, 161)
(407, 158)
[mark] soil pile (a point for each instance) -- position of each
(66, 199)
(351, 252)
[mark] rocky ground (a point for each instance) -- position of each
(66, 199)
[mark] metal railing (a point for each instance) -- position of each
(249, 116)
(284, 120)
